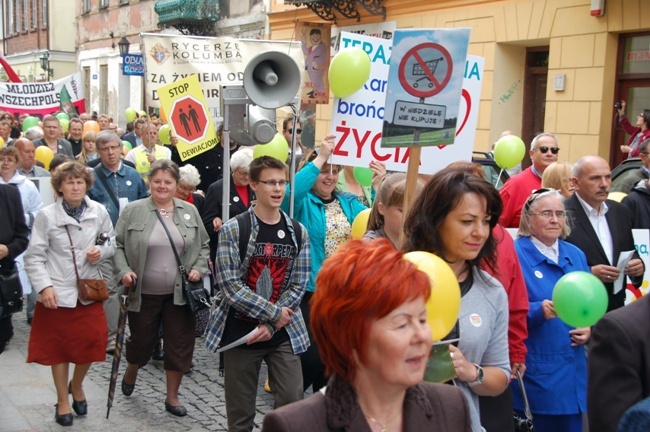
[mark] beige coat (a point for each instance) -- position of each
(48, 260)
(133, 230)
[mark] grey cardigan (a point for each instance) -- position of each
(133, 230)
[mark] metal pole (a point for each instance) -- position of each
(292, 167)
(225, 200)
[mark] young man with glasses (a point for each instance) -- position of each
(601, 228)
(543, 152)
(51, 132)
(115, 185)
(262, 293)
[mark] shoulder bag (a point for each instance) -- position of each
(523, 424)
(11, 293)
(89, 289)
(196, 296)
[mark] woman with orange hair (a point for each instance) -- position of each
(369, 319)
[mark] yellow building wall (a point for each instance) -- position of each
(582, 47)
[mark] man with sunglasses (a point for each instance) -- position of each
(601, 228)
(288, 125)
(262, 288)
(543, 152)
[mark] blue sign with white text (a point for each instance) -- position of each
(133, 64)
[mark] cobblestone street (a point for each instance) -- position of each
(27, 395)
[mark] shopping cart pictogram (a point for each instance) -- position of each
(418, 70)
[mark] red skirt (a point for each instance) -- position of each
(68, 335)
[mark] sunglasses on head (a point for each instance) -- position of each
(531, 199)
(545, 149)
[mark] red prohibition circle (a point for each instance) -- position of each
(435, 86)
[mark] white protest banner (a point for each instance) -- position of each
(357, 120)
(642, 246)
(381, 30)
(41, 99)
(424, 86)
(215, 60)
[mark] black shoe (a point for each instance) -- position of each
(29, 320)
(127, 389)
(178, 411)
(158, 352)
(62, 419)
(80, 407)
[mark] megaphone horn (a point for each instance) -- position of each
(272, 79)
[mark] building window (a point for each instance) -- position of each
(85, 6)
(11, 23)
(103, 89)
(44, 13)
(19, 16)
(103, 4)
(124, 2)
(25, 15)
(34, 14)
(87, 86)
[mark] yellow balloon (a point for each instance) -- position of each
(444, 303)
(360, 224)
(45, 155)
(616, 196)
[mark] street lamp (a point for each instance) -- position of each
(123, 44)
(45, 64)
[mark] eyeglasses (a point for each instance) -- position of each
(274, 183)
(110, 148)
(548, 214)
(298, 131)
(545, 149)
(7, 160)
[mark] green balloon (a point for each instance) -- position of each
(29, 122)
(509, 151)
(580, 299)
(131, 114)
(63, 116)
(127, 144)
(277, 148)
(349, 71)
(64, 124)
(363, 176)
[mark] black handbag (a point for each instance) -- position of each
(11, 294)
(196, 296)
(523, 424)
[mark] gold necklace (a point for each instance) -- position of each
(383, 426)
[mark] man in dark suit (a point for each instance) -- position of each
(134, 137)
(601, 227)
(14, 237)
(619, 364)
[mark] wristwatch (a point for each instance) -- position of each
(479, 376)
